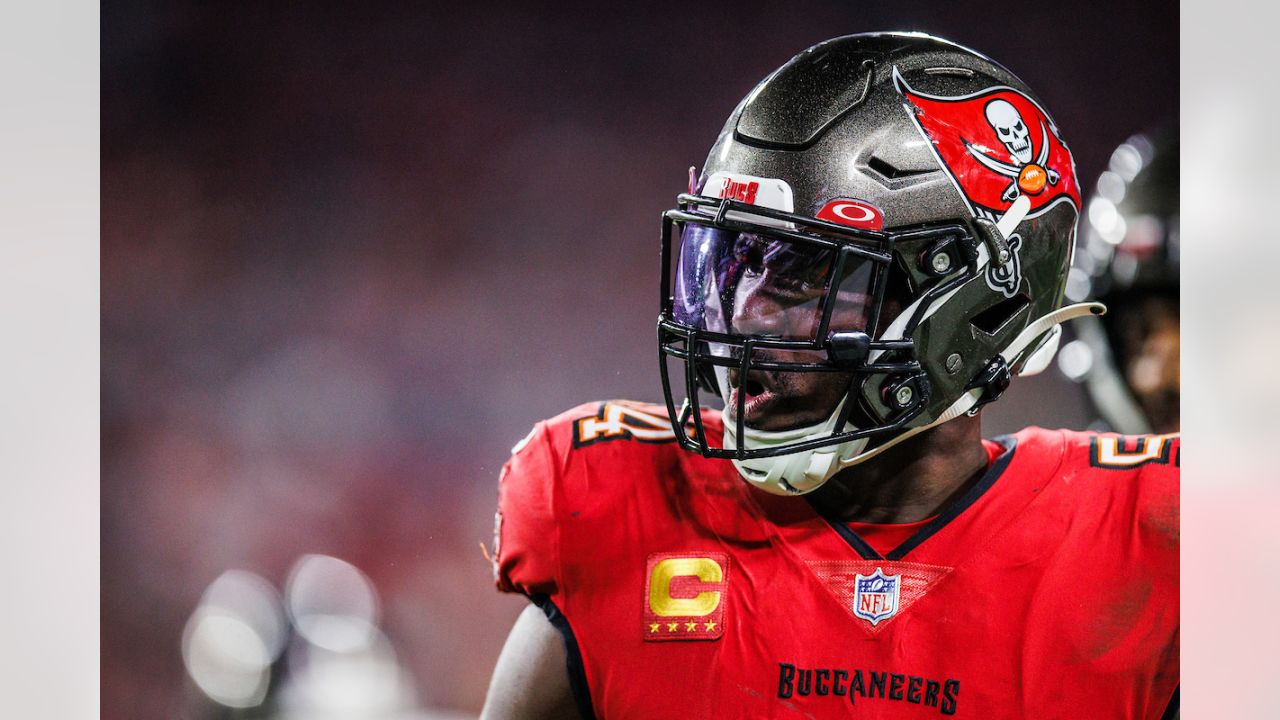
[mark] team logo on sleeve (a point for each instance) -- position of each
(997, 145)
(875, 596)
(685, 596)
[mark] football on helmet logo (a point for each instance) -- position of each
(854, 213)
(997, 145)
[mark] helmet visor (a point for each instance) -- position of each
(754, 284)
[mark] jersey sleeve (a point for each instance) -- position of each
(1160, 480)
(526, 534)
(1169, 456)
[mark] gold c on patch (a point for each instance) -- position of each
(684, 596)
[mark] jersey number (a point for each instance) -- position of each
(620, 422)
(1121, 452)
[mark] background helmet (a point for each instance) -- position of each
(892, 210)
(1128, 258)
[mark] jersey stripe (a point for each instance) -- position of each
(1171, 710)
(952, 511)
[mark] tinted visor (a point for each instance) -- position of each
(757, 284)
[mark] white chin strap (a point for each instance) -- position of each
(795, 473)
(805, 471)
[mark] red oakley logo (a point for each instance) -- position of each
(854, 213)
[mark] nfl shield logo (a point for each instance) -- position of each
(875, 596)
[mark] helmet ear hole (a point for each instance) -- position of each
(991, 320)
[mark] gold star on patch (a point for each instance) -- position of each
(690, 626)
(653, 627)
(710, 626)
(671, 627)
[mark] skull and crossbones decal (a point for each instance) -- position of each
(1029, 176)
(998, 146)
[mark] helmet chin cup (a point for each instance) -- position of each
(797, 473)
(787, 475)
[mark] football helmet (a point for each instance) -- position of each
(887, 222)
(1129, 259)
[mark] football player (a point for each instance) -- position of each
(878, 242)
(1128, 259)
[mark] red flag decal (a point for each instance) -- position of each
(996, 144)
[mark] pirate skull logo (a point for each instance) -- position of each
(1007, 122)
(997, 144)
(1027, 176)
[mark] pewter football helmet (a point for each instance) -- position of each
(891, 210)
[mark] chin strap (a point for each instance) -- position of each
(796, 473)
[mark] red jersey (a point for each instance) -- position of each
(1049, 589)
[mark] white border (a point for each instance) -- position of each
(49, 426)
(1229, 345)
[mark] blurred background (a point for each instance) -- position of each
(350, 255)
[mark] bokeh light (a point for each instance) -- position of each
(232, 639)
(332, 604)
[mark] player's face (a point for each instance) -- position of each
(758, 285)
(780, 294)
(1151, 361)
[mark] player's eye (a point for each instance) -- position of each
(798, 267)
(788, 266)
(750, 250)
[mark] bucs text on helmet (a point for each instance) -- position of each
(886, 220)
